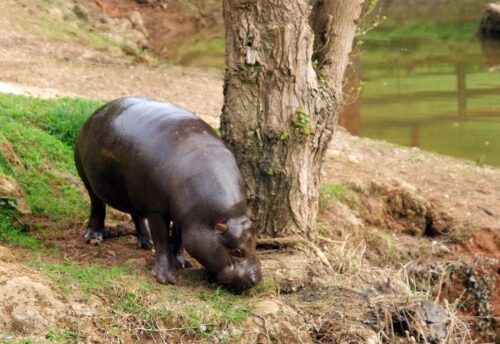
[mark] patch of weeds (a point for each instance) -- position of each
(301, 122)
(11, 339)
(62, 336)
(284, 135)
(194, 321)
(5, 167)
(328, 193)
(267, 287)
(229, 304)
(11, 231)
(88, 279)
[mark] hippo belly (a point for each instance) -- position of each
(162, 164)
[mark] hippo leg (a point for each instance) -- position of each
(95, 228)
(144, 240)
(177, 249)
(165, 260)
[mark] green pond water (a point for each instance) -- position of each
(426, 80)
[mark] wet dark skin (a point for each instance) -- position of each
(162, 164)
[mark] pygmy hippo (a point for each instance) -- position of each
(160, 163)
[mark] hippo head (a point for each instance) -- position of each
(239, 238)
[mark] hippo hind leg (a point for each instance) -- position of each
(143, 232)
(177, 249)
(95, 229)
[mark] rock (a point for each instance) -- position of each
(82, 309)
(6, 255)
(27, 306)
(81, 12)
(130, 48)
(489, 28)
(290, 272)
(137, 261)
(56, 13)
(138, 23)
(267, 307)
(424, 321)
(275, 322)
(11, 195)
(434, 318)
(345, 331)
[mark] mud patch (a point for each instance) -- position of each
(398, 208)
(484, 242)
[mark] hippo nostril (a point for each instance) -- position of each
(252, 281)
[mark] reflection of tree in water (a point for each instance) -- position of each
(350, 116)
(491, 53)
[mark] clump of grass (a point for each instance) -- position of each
(329, 193)
(11, 231)
(87, 279)
(62, 336)
(227, 303)
(267, 287)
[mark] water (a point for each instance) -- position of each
(428, 82)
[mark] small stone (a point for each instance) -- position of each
(82, 309)
(267, 307)
(6, 255)
(81, 12)
(137, 261)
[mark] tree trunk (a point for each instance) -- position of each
(285, 62)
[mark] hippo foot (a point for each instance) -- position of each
(144, 243)
(95, 236)
(163, 275)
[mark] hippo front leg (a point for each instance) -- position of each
(177, 249)
(164, 258)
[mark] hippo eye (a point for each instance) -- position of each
(238, 253)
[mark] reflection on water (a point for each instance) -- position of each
(428, 82)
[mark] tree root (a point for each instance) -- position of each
(294, 241)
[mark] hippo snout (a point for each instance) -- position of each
(241, 275)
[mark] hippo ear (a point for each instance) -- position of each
(220, 228)
(237, 231)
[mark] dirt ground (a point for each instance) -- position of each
(458, 200)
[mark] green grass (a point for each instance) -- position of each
(62, 336)
(328, 193)
(42, 134)
(225, 302)
(87, 279)
(11, 231)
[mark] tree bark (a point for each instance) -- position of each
(285, 62)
